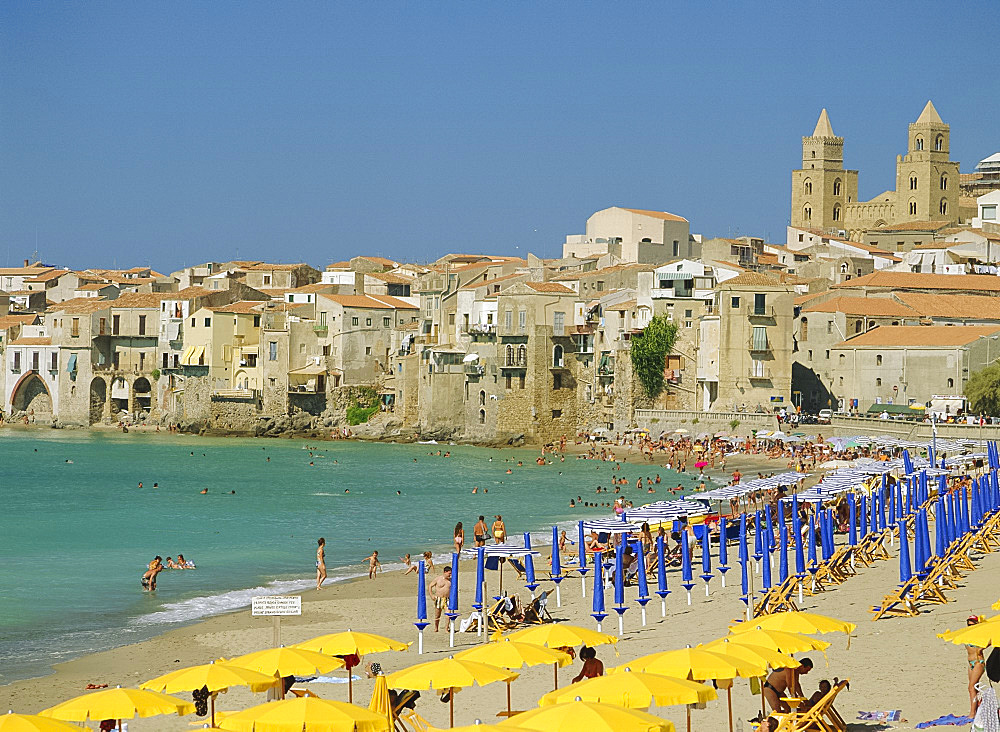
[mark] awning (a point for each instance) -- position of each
(71, 368)
(470, 357)
(759, 338)
(675, 276)
(896, 409)
(192, 355)
(310, 370)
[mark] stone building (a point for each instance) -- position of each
(633, 235)
(825, 194)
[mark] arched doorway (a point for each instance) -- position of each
(31, 395)
(98, 398)
(142, 395)
(119, 396)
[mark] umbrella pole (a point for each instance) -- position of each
(688, 718)
(451, 708)
(350, 687)
(213, 709)
(729, 703)
(555, 669)
(508, 700)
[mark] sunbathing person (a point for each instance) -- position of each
(785, 682)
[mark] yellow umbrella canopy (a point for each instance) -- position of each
(216, 676)
(447, 673)
(778, 640)
(287, 661)
(633, 689)
(750, 653)
(693, 663)
(796, 621)
(380, 703)
(305, 714)
(11, 722)
(996, 605)
(982, 634)
(512, 654)
(562, 635)
(586, 715)
(118, 703)
(349, 641)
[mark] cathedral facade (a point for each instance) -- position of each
(825, 195)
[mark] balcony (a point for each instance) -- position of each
(475, 369)
(759, 346)
(480, 329)
(320, 330)
(516, 362)
(764, 311)
(759, 373)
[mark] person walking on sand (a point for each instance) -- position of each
(499, 531)
(373, 564)
(459, 537)
(977, 664)
(320, 562)
(480, 531)
(440, 589)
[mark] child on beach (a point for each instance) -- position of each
(408, 563)
(373, 565)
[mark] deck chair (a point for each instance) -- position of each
(537, 612)
(899, 602)
(299, 693)
(413, 722)
(821, 717)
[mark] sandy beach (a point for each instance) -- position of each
(892, 664)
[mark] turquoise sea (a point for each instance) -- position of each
(75, 536)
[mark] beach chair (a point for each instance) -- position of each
(299, 693)
(821, 717)
(900, 602)
(537, 613)
(413, 722)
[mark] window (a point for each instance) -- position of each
(482, 398)
(836, 213)
(913, 182)
(559, 323)
(808, 187)
(827, 355)
(557, 356)
(829, 327)
(102, 325)
(900, 245)
(509, 379)
(522, 321)
(878, 382)
(878, 359)
(943, 207)
(115, 324)
(54, 361)
(520, 381)
(386, 322)
(451, 318)
(267, 279)
(677, 247)
(759, 304)
(842, 360)
(354, 321)
(807, 213)
(368, 322)
(600, 286)
(944, 182)
(913, 208)
(368, 350)
(256, 321)
(16, 368)
(918, 144)
(34, 360)
(810, 354)
(208, 323)
(989, 213)
(508, 319)
(556, 413)
(939, 143)
(75, 328)
(759, 339)
(272, 353)
(836, 187)
(142, 325)
(804, 330)
(735, 303)
(482, 416)
(326, 350)
(951, 383)
(557, 381)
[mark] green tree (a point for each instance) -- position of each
(983, 391)
(649, 353)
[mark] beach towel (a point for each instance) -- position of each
(945, 720)
(987, 716)
(894, 715)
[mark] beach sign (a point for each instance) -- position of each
(276, 605)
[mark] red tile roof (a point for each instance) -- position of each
(662, 215)
(923, 281)
(920, 335)
(869, 306)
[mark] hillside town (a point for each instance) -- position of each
(855, 311)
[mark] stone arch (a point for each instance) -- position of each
(807, 186)
(32, 395)
(836, 186)
(482, 398)
(119, 395)
(98, 399)
(242, 380)
(142, 395)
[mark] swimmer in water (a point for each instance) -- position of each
(346, 490)
(204, 491)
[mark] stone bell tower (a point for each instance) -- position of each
(926, 180)
(821, 189)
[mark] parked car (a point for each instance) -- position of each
(824, 416)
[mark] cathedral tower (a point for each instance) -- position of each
(821, 189)
(926, 180)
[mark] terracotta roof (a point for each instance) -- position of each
(803, 299)
(959, 229)
(265, 267)
(276, 293)
(391, 278)
(7, 321)
(570, 276)
(188, 293)
(395, 302)
(971, 307)
(728, 265)
(31, 342)
(752, 279)
(920, 335)
(487, 283)
(96, 286)
(50, 275)
(663, 215)
(243, 306)
(870, 306)
(915, 226)
(924, 281)
(315, 287)
(936, 245)
(82, 305)
(553, 287)
(622, 306)
(338, 265)
(364, 301)
(25, 271)
(140, 300)
(380, 260)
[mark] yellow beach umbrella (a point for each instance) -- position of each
(633, 689)
(11, 722)
(348, 643)
(562, 635)
(696, 664)
(982, 634)
(778, 640)
(996, 605)
(305, 714)
(214, 676)
(287, 661)
(448, 674)
(796, 621)
(380, 703)
(508, 654)
(751, 653)
(118, 704)
(586, 715)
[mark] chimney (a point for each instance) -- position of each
(25, 263)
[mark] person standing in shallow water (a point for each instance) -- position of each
(320, 562)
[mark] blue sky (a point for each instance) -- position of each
(172, 133)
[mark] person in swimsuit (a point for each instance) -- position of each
(440, 589)
(785, 682)
(977, 664)
(479, 531)
(459, 537)
(148, 580)
(499, 531)
(374, 565)
(592, 665)
(320, 562)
